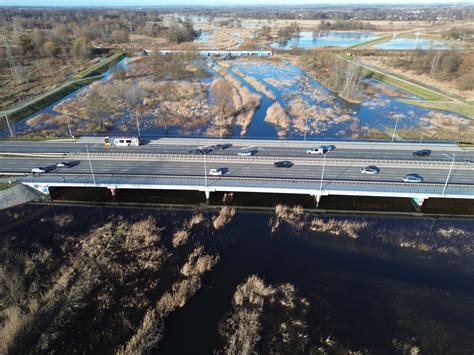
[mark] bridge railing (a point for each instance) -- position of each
(255, 158)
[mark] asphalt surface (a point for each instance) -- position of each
(237, 169)
(264, 149)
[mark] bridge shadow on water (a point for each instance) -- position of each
(343, 204)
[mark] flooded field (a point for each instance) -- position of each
(325, 39)
(270, 98)
(412, 43)
(106, 279)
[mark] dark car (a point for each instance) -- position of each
(422, 153)
(195, 151)
(222, 146)
(283, 164)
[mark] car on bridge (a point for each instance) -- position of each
(283, 164)
(412, 178)
(221, 146)
(422, 153)
(38, 170)
(245, 153)
(63, 165)
(370, 170)
(216, 172)
(322, 149)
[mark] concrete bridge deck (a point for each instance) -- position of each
(167, 164)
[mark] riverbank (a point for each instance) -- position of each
(39, 102)
(12, 195)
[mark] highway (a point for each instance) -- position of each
(349, 150)
(237, 169)
(167, 164)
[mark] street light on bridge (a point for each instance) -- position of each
(453, 158)
(322, 172)
(90, 164)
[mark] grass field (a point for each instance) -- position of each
(414, 89)
(451, 106)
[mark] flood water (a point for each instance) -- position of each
(379, 111)
(366, 294)
(411, 43)
(325, 39)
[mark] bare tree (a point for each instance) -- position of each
(222, 101)
(98, 108)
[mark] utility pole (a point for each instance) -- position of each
(322, 172)
(395, 129)
(138, 125)
(90, 165)
(8, 124)
(69, 127)
(449, 174)
(11, 59)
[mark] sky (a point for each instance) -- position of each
(138, 3)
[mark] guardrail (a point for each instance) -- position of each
(270, 159)
(253, 179)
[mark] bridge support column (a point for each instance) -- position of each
(317, 199)
(113, 192)
(418, 202)
(208, 195)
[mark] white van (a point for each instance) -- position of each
(322, 149)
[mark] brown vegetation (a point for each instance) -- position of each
(151, 331)
(257, 85)
(299, 221)
(265, 319)
(277, 116)
(225, 215)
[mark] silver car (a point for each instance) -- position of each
(38, 170)
(369, 170)
(245, 153)
(412, 178)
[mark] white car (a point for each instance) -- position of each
(369, 170)
(215, 172)
(245, 153)
(322, 149)
(412, 178)
(38, 170)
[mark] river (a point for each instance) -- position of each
(402, 283)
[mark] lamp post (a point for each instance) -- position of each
(449, 173)
(322, 172)
(90, 165)
(205, 167)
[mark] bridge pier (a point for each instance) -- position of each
(317, 199)
(208, 195)
(113, 192)
(418, 202)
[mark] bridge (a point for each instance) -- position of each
(220, 53)
(167, 164)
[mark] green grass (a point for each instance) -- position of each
(101, 67)
(457, 107)
(416, 90)
(370, 43)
